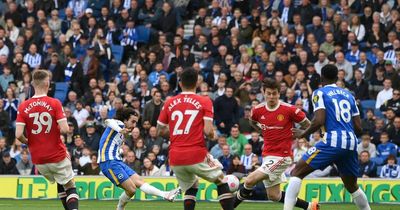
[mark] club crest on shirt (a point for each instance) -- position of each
(280, 117)
(315, 98)
(120, 176)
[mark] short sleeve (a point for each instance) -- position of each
(317, 100)
(60, 115)
(354, 108)
(297, 115)
(208, 109)
(20, 116)
(163, 117)
(253, 114)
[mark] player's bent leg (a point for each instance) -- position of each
(301, 170)
(148, 189)
(247, 190)
(189, 201)
(129, 191)
(359, 197)
(275, 194)
(225, 197)
(62, 195)
(72, 195)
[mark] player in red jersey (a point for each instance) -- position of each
(275, 119)
(186, 118)
(44, 118)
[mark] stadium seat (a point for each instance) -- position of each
(143, 34)
(118, 52)
(368, 104)
(379, 161)
(378, 170)
(61, 91)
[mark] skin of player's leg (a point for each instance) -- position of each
(350, 183)
(137, 180)
(274, 193)
(129, 187)
(254, 177)
(69, 185)
(302, 169)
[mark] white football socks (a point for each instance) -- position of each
(360, 199)
(292, 192)
(148, 189)
(123, 200)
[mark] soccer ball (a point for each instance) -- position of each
(232, 181)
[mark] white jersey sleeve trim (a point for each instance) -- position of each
(20, 123)
(60, 120)
(208, 118)
(161, 123)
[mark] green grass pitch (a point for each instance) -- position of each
(162, 205)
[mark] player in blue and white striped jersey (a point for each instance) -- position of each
(111, 162)
(336, 113)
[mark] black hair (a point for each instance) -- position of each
(189, 78)
(329, 72)
(125, 113)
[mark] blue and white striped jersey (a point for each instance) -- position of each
(111, 142)
(340, 106)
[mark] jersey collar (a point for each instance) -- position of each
(187, 93)
(38, 96)
(274, 109)
(331, 85)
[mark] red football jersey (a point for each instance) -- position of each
(277, 127)
(185, 115)
(41, 115)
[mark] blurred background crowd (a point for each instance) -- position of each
(104, 55)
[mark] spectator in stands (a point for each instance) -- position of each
(90, 168)
(246, 158)
(391, 170)
(11, 103)
(236, 166)
(6, 77)
(368, 122)
(367, 167)
(359, 86)
(226, 158)
(236, 141)
(8, 164)
(366, 145)
(91, 137)
(342, 63)
(80, 114)
(393, 103)
(4, 121)
(226, 110)
(24, 166)
(386, 148)
(152, 109)
(216, 150)
(299, 150)
(256, 142)
(149, 169)
(385, 94)
(132, 162)
(394, 131)
(140, 149)
(153, 139)
(85, 157)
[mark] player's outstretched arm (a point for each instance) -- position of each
(19, 133)
(305, 123)
(64, 127)
(162, 130)
(357, 125)
(255, 125)
(316, 123)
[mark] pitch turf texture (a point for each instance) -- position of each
(162, 205)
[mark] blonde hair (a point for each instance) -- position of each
(39, 76)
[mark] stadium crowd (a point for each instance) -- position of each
(90, 47)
